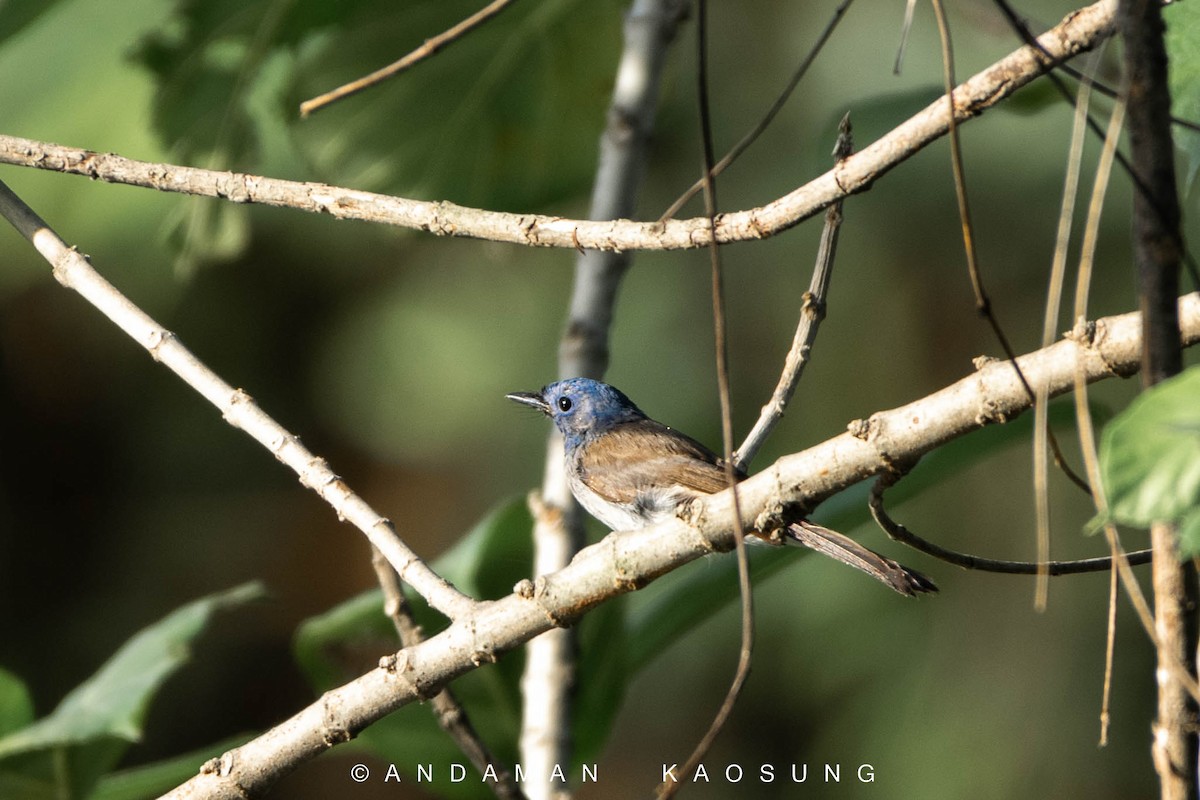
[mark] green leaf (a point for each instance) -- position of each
(1150, 454)
(16, 14)
(152, 780)
(1189, 533)
(66, 752)
(1183, 48)
(493, 121)
(16, 706)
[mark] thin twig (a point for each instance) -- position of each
(450, 714)
(1079, 32)
(901, 534)
(73, 271)
(429, 48)
(745, 653)
(812, 311)
(767, 118)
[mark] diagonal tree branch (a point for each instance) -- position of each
(1078, 32)
(626, 561)
(73, 271)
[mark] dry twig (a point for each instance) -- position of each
(427, 49)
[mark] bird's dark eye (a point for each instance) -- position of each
(564, 404)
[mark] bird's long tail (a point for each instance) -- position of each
(906, 581)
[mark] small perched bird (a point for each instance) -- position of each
(629, 472)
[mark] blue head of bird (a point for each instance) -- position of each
(581, 407)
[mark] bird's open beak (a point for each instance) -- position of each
(534, 399)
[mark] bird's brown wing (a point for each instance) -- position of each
(647, 456)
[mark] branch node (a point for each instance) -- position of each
(989, 412)
(979, 362)
(692, 515)
(154, 342)
(811, 304)
(484, 652)
(540, 587)
(1083, 334)
(222, 766)
(771, 518)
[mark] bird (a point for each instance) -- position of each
(630, 471)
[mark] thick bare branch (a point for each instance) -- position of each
(623, 562)
(1080, 31)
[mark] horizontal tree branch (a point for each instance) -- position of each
(1078, 32)
(625, 561)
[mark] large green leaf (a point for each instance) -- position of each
(1183, 47)
(493, 121)
(16, 14)
(16, 706)
(212, 64)
(65, 753)
(1150, 456)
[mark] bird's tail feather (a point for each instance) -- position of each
(906, 581)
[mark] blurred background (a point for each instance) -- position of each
(123, 494)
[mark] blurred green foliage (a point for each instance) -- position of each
(389, 352)
(70, 752)
(1150, 459)
(1183, 44)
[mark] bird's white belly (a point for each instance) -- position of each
(651, 507)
